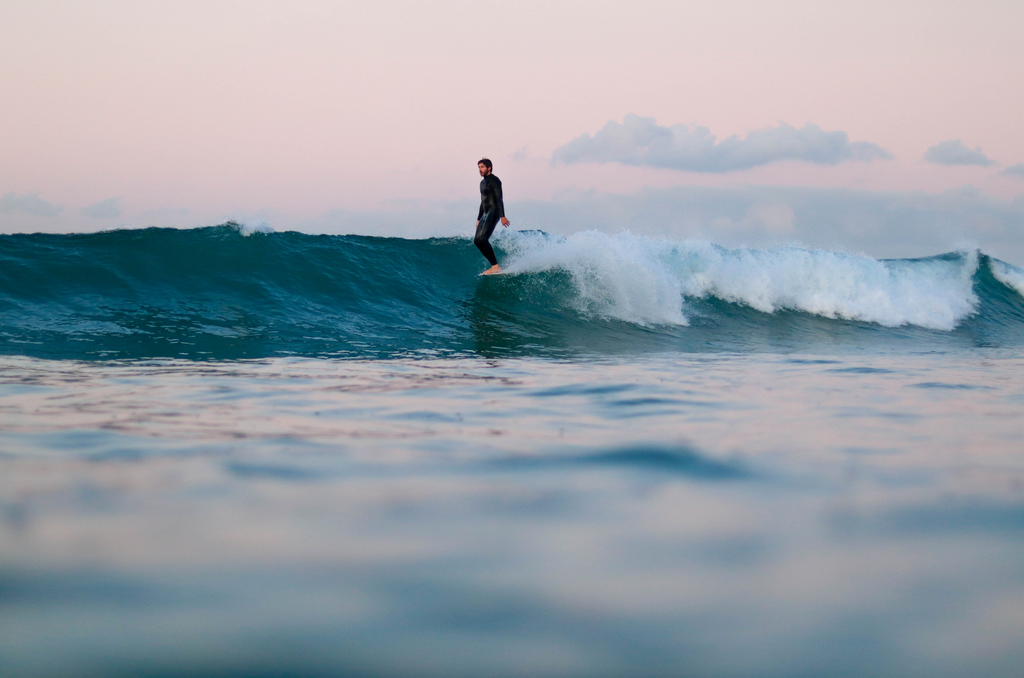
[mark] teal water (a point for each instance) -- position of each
(225, 293)
(256, 454)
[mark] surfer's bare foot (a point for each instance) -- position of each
(492, 270)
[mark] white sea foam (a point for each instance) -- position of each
(622, 276)
(250, 228)
(645, 280)
(1011, 276)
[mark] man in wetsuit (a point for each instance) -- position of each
(491, 209)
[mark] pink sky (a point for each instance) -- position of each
(192, 112)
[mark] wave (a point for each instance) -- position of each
(232, 291)
(642, 280)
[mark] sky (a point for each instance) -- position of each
(891, 128)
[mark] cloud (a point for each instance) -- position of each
(1014, 170)
(642, 142)
(30, 203)
(104, 209)
(953, 152)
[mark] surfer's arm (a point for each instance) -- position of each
(498, 204)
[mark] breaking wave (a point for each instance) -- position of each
(231, 291)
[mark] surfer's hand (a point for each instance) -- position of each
(504, 222)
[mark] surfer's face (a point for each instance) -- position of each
(484, 169)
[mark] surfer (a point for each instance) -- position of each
(491, 209)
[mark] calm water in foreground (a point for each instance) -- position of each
(654, 515)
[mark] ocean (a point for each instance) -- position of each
(228, 451)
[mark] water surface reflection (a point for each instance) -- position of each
(715, 515)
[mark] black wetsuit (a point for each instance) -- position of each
(491, 209)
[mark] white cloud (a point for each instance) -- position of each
(953, 152)
(641, 141)
(774, 216)
(1014, 170)
(30, 203)
(104, 209)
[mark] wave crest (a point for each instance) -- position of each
(625, 277)
(646, 281)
